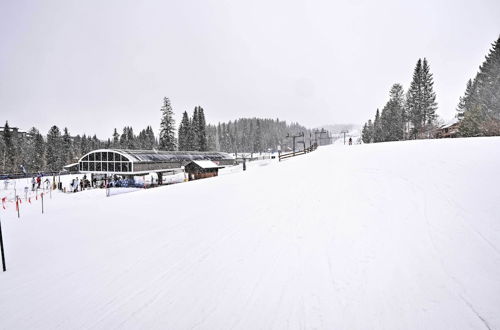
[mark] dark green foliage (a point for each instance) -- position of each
(67, 148)
(421, 100)
(54, 156)
(479, 108)
(9, 150)
(378, 133)
(184, 128)
(167, 127)
(254, 135)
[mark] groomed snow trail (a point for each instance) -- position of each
(389, 236)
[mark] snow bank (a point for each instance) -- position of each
(399, 235)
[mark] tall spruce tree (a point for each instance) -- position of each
(167, 127)
(421, 99)
(378, 133)
(54, 156)
(183, 132)
(479, 109)
(392, 115)
(195, 130)
(32, 160)
(67, 147)
(9, 155)
(202, 130)
(116, 139)
(429, 104)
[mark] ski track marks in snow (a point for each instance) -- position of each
(384, 236)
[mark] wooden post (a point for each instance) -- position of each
(1, 248)
(17, 206)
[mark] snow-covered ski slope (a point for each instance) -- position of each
(388, 236)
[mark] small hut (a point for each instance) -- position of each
(449, 130)
(200, 169)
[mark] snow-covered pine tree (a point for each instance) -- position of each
(421, 100)
(9, 156)
(38, 161)
(370, 131)
(116, 139)
(392, 115)
(67, 148)
(481, 115)
(464, 101)
(414, 101)
(429, 104)
(150, 136)
(257, 143)
(54, 155)
(378, 134)
(202, 130)
(167, 127)
(183, 132)
(84, 146)
(194, 136)
(211, 137)
(364, 134)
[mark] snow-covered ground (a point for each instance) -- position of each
(402, 235)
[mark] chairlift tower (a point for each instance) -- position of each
(301, 134)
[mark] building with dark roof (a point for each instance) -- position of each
(140, 162)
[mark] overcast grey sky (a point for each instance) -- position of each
(96, 65)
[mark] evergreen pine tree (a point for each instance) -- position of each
(429, 105)
(167, 127)
(202, 130)
(421, 99)
(195, 130)
(54, 156)
(414, 101)
(9, 150)
(464, 101)
(378, 134)
(183, 131)
(364, 134)
(67, 148)
(481, 113)
(116, 139)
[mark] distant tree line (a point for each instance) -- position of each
(409, 115)
(254, 135)
(32, 152)
(412, 115)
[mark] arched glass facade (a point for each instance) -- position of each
(105, 161)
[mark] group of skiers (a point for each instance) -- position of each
(79, 185)
(36, 182)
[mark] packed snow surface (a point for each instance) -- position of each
(399, 235)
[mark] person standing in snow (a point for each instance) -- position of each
(33, 181)
(350, 141)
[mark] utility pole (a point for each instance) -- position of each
(316, 132)
(301, 134)
(4, 267)
(344, 132)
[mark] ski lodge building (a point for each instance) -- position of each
(125, 162)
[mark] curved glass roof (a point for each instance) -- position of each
(162, 156)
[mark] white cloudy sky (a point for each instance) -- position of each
(96, 65)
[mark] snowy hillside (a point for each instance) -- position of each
(402, 235)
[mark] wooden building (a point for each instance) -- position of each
(449, 130)
(200, 169)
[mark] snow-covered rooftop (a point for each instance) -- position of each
(166, 156)
(206, 164)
